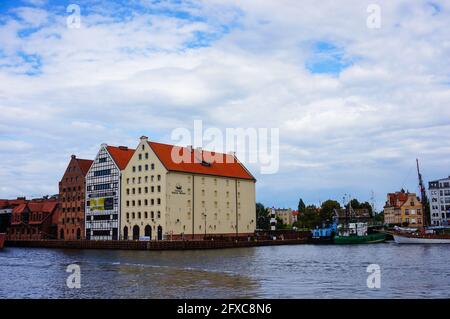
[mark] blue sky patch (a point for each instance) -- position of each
(327, 58)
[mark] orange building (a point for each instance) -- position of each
(403, 208)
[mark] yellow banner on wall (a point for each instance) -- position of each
(97, 203)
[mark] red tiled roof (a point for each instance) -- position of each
(398, 199)
(229, 166)
(121, 155)
(6, 203)
(40, 206)
(20, 208)
(85, 165)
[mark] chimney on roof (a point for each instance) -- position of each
(73, 156)
(144, 138)
(123, 148)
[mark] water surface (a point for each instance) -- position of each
(301, 271)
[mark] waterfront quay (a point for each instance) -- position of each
(151, 245)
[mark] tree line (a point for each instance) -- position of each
(310, 216)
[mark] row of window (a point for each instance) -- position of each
(140, 155)
(71, 189)
(99, 187)
(139, 179)
(71, 209)
(102, 172)
(70, 220)
(139, 202)
(72, 199)
(139, 215)
(146, 167)
(413, 211)
(71, 179)
(139, 190)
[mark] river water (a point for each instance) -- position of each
(301, 271)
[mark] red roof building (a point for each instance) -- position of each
(34, 220)
(200, 161)
(6, 208)
(103, 196)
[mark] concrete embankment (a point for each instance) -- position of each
(150, 245)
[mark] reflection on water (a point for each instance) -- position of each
(303, 271)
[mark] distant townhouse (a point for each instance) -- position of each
(440, 202)
(72, 190)
(164, 198)
(403, 209)
(351, 215)
(34, 220)
(103, 192)
(285, 214)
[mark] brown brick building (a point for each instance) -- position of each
(34, 220)
(72, 189)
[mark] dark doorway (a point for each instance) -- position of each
(148, 231)
(125, 233)
(78, 234)
(159, 232)
(61, 233)
(136, 232)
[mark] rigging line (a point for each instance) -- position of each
(407, 176)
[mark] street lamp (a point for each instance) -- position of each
(204, 216)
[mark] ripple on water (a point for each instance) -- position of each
(304, 271)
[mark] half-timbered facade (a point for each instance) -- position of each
(103, 198)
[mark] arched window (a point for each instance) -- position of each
(125, 233)
(78, 234)
(136, 232)
(148, 231)
(159, 232)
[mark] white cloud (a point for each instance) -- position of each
(115, 79)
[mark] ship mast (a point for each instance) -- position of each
(423, 196)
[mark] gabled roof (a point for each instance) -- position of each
(228, 166)
(121, 155)
(398, 199)
(85, 165)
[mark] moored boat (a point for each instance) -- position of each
(430, 235)
(357, 233)
(2, 240)
(360, 239)
(421, 239)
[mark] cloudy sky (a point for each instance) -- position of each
(354, 105)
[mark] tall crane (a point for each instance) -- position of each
(423, 197)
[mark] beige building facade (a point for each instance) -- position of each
(403, 208)
(285, 214)
(166, 200)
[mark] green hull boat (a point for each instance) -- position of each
(354, 239)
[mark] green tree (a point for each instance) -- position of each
(379, 217)
(280, 224)
(310, 217)
(327, 210)
(262, 217)
(301, 206)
